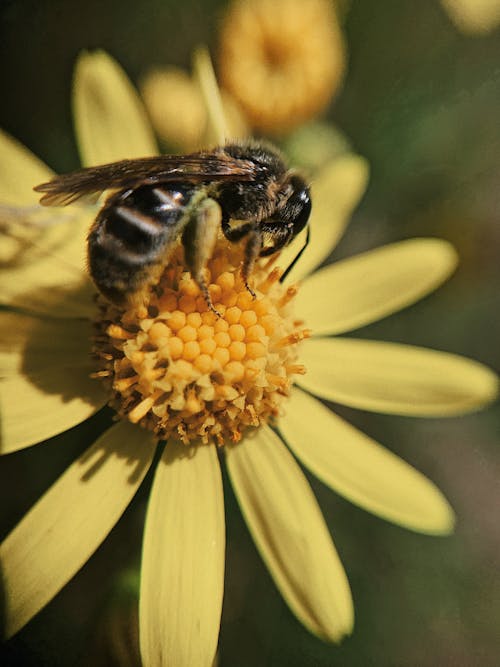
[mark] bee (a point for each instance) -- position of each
(244, 190)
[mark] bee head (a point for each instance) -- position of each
(297, 207)
(290, 216)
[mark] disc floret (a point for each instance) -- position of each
(179, 369)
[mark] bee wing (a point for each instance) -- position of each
(30, 217)
(129, 174)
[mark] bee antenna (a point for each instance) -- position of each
(297, 256)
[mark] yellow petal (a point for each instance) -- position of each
(360, 469)
(48, 276)
(204, 74)
(396, 379)
(290, 533)
(46, 386)
(182, 574)
(335, 192)
(20, 170)
(110, 121)
(176, 109)
(69, 522)
(365, 288)
(12, 341)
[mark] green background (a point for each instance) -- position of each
(421, 101)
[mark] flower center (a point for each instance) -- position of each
(177, 368)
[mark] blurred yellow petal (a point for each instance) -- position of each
(395, 379)
(290, 533)
(335, 192)
(183, 559)
(218, 129)
(360, 469)
(49, 277)
(179, 114)
(69, 522)
(110, 121)
(46, 386)
(20, 170)
(474, 16)
(223, 118)
(176, 108)
(367, 287)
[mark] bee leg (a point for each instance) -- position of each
(199, 238)
(252, 251)
(202, 284)
(235, 234)
(252, 248)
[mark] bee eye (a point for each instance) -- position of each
(298, 206)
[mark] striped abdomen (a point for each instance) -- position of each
(133, 233)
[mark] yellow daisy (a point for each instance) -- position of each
(281, 60)
(46, 389)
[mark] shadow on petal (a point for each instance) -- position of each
(35, 232)
(42, 260)
(71, 300)
(136, 464)
(57, 358)
(47, 385)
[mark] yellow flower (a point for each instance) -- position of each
(474, 16)
(46, 389)
(282, 60)
(175, 104)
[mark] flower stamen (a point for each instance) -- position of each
(175, 367)
(294, 338)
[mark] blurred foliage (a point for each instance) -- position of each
(420, 101)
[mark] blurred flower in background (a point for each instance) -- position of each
(474, 16)
(282, 60)
(280, 64)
